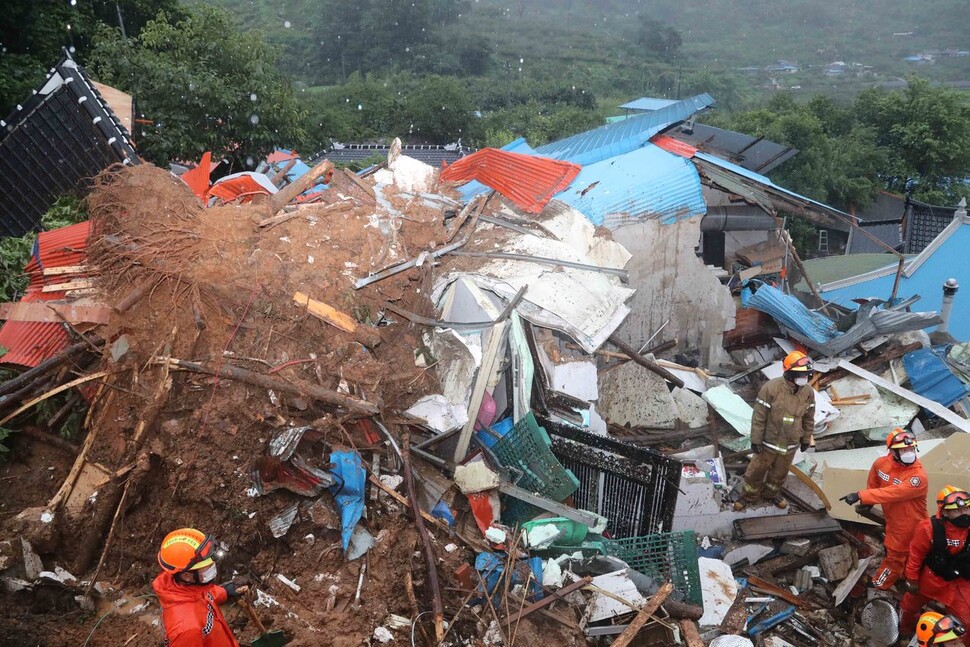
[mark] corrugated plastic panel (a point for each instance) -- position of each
(623, 136)
(648, 104)
(529, 181)
(644, 184)
(30, 343)
(473, 188)
(930, 376)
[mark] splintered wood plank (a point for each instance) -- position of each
(55, 312)
(327, 313)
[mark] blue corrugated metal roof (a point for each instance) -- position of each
(788, 312)
(648, 104)
(623, 136)
(763, 180)
(949, 260)
(930, 377)
(473, 188)
(646, 183)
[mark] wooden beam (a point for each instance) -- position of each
(327, 313)
(550, 598)
(76, 284)
(625, 638)
(48, 312)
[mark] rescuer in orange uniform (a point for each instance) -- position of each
(189, 598)
(897, 482)
(783, 420)
(938, 568)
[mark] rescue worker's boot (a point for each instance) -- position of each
(740, 505)
(779, 501)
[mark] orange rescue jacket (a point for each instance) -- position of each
(901, 491)
(191, 614)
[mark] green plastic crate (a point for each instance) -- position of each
(527, 450)
(664, 556)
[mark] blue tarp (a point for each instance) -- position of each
(788, 311)
(930, 377)
(348, 491)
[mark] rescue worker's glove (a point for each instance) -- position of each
(852, 498)
(233, 590)
(910, 586)
(755, 448)
(804, 447)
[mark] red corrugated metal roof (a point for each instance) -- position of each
(674, 146)
(30, 343)
(529, 181)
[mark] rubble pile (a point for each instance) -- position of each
(438, 406)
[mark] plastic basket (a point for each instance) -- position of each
(527, 449)
(664, 556)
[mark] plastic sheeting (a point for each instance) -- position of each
(930, 377)
(348, 491)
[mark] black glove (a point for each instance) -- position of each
(756, 448)
(234, 591)
(852, 498)
(910, 587)
(804, 447)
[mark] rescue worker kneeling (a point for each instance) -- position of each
(936, 630)
(189, 598)
(783, 420)
(898, 483)
(938, 568)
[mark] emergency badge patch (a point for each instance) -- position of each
(915, 481)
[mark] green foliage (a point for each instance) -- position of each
(15, 252)
(663, 40)
(205, 85)
(927, 129)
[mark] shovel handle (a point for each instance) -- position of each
(252, 615)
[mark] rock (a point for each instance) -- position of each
(383, 635)
(13, 584)
(836, 562)
(85, 602)
(798, 546)
(323, 514)
(36, 526)
(33, 566)
(803, 579)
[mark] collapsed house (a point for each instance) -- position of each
(504, 401)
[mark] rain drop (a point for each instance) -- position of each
(250, 162)
(287, 24)
(73, 3)
(252, 97)
(254, 119)
(71, 49)
(360, 106)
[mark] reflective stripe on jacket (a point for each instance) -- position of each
(191, 614)
(901, 491)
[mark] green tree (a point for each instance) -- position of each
(439, 110)
(204, 85)
(662, 40)
(927, 131)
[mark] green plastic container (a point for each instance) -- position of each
(571, 533)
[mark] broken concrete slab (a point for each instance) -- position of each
(882, 409)
(33, 566)
(691, 408)
(796, 546)
(752, 553)
(718, 587)
(836, 562)
(632, 395)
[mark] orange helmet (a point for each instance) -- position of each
(942, 494)
(900, 439)
(935, 629)
(186, 549)
(797, 361)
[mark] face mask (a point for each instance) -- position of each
(963, 521)
(907, 458)
(208, 574)
(802, 380)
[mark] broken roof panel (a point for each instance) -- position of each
(753, 153)
(68, 133)
(623, 136)
(529, 181)
(473, 188)
(648, 104)
(28, 343)
(645, 183)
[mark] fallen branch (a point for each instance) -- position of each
(632, 353)
(437, 606)
(50, 439)
(256, 379)
(304, 182)
(60, 389)
(45, 367)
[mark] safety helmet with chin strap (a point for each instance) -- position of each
(186, 549)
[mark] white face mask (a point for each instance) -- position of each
(907, 458)
(208, 574)
(801, 381)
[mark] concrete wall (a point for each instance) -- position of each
(672, 283)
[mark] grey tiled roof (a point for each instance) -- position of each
(925, 223)
(888, 231)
